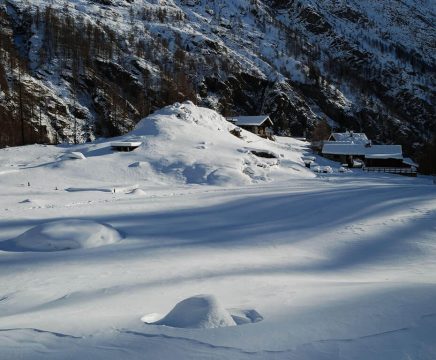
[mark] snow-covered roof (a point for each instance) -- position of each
(251, 120)
(126, 143)
(349, 136)
(410, 162)
(308, 158)
(374, 151)
(75, 155)
(384, 156)
(337, 142)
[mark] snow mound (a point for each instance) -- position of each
(242, 316)
(198, 312)
(138, 192)
(181, 144)
(203, 312)
(64, 235)
(74, 155)
(194, 145)
(35, 202)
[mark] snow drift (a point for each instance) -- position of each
(199, 312)
(203, 312)
(180, 144)
(64, 235)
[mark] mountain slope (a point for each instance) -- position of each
(92, 68)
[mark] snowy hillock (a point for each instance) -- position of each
(194, 145)
(179, 144)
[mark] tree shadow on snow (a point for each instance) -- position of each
(266, 220)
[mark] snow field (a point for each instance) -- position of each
(339, 266)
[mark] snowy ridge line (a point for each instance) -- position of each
(362, 337)
(57, 334)
(428, 315)
(146, 197)
(387, 332)
(197, 342)
(202, 343)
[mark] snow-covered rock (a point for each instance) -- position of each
(198, 312)
(138, 192)
(64, 235)
(75, 155)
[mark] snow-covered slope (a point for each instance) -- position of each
(180, 144)
(195, 145)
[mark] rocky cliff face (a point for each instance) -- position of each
(71, 71)
(380, 55)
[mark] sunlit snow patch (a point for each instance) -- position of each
(63, 235)
(202, 312)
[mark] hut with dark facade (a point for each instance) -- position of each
(379, 158)
(125, 145)
(260, 125)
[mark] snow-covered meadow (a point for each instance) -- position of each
(294, 265)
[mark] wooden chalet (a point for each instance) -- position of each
(346, 152)
(390, 164)
(260, 125)
(348, 147)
